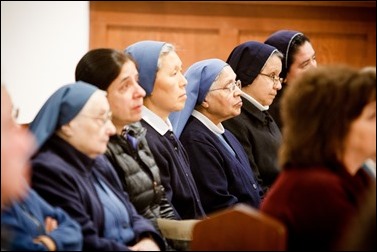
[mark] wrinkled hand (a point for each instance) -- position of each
(46, 241)
(145, 244)
(50, 224)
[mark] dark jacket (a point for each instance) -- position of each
(175, 173)
(316, 204)
(24, 221)
(222, 179)
(274, 108)
(140, 175)
(261, 138)
(65, 177)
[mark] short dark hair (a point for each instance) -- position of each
(317, 111)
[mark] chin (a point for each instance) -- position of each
(103, 150)
(98, 152)
(137, 118)
(179, 107)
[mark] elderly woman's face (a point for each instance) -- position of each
(169, 93)
(17, 145)
(266, 85)
(90, 130)
(223, 100)
(125, 96)
(304, 60)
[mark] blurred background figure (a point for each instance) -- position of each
(257, 66)
(299, 56)
(329, 117)
(370, 164)
(17, 146)
(360, 234)
(34, 225)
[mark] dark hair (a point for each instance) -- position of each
(295, 45)
(101, 66)
(317, 111)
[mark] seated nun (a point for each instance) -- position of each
(161, 76)
(72, 130)
(218, 161)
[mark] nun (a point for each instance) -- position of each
(70, 171)
(299, 56)
(257, 66)
(160, 74)
(217, 159)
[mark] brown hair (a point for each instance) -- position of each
(317, 111)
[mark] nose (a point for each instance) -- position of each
(237, 91)
(279, 85)
(184, 81)
(110, 128)
(140, 91)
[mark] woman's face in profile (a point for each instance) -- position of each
(223, 100)
(267, 84)
(361, 138)
(169, 92)
(90, 131)
(125, 96)
(303, 60)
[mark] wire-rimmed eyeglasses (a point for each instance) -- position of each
(275, 78)
(103, 120)
(231, 88)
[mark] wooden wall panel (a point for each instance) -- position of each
(198, 39)
(341, 32)
(348, 44)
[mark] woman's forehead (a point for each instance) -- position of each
(171, 60)
(97, 102)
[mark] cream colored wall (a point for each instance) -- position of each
(41, 43)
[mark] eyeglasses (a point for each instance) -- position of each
(275, 79)
(102, 120)
(231, 88)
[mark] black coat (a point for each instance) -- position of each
(139, 175)
(222, 179)
(261, 138)
(175, 173)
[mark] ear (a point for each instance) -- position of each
(66, 130)
(205, 104)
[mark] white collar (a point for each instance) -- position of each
(217, 129)
(155, 121)
(254, 102)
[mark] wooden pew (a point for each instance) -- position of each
(239, 228)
